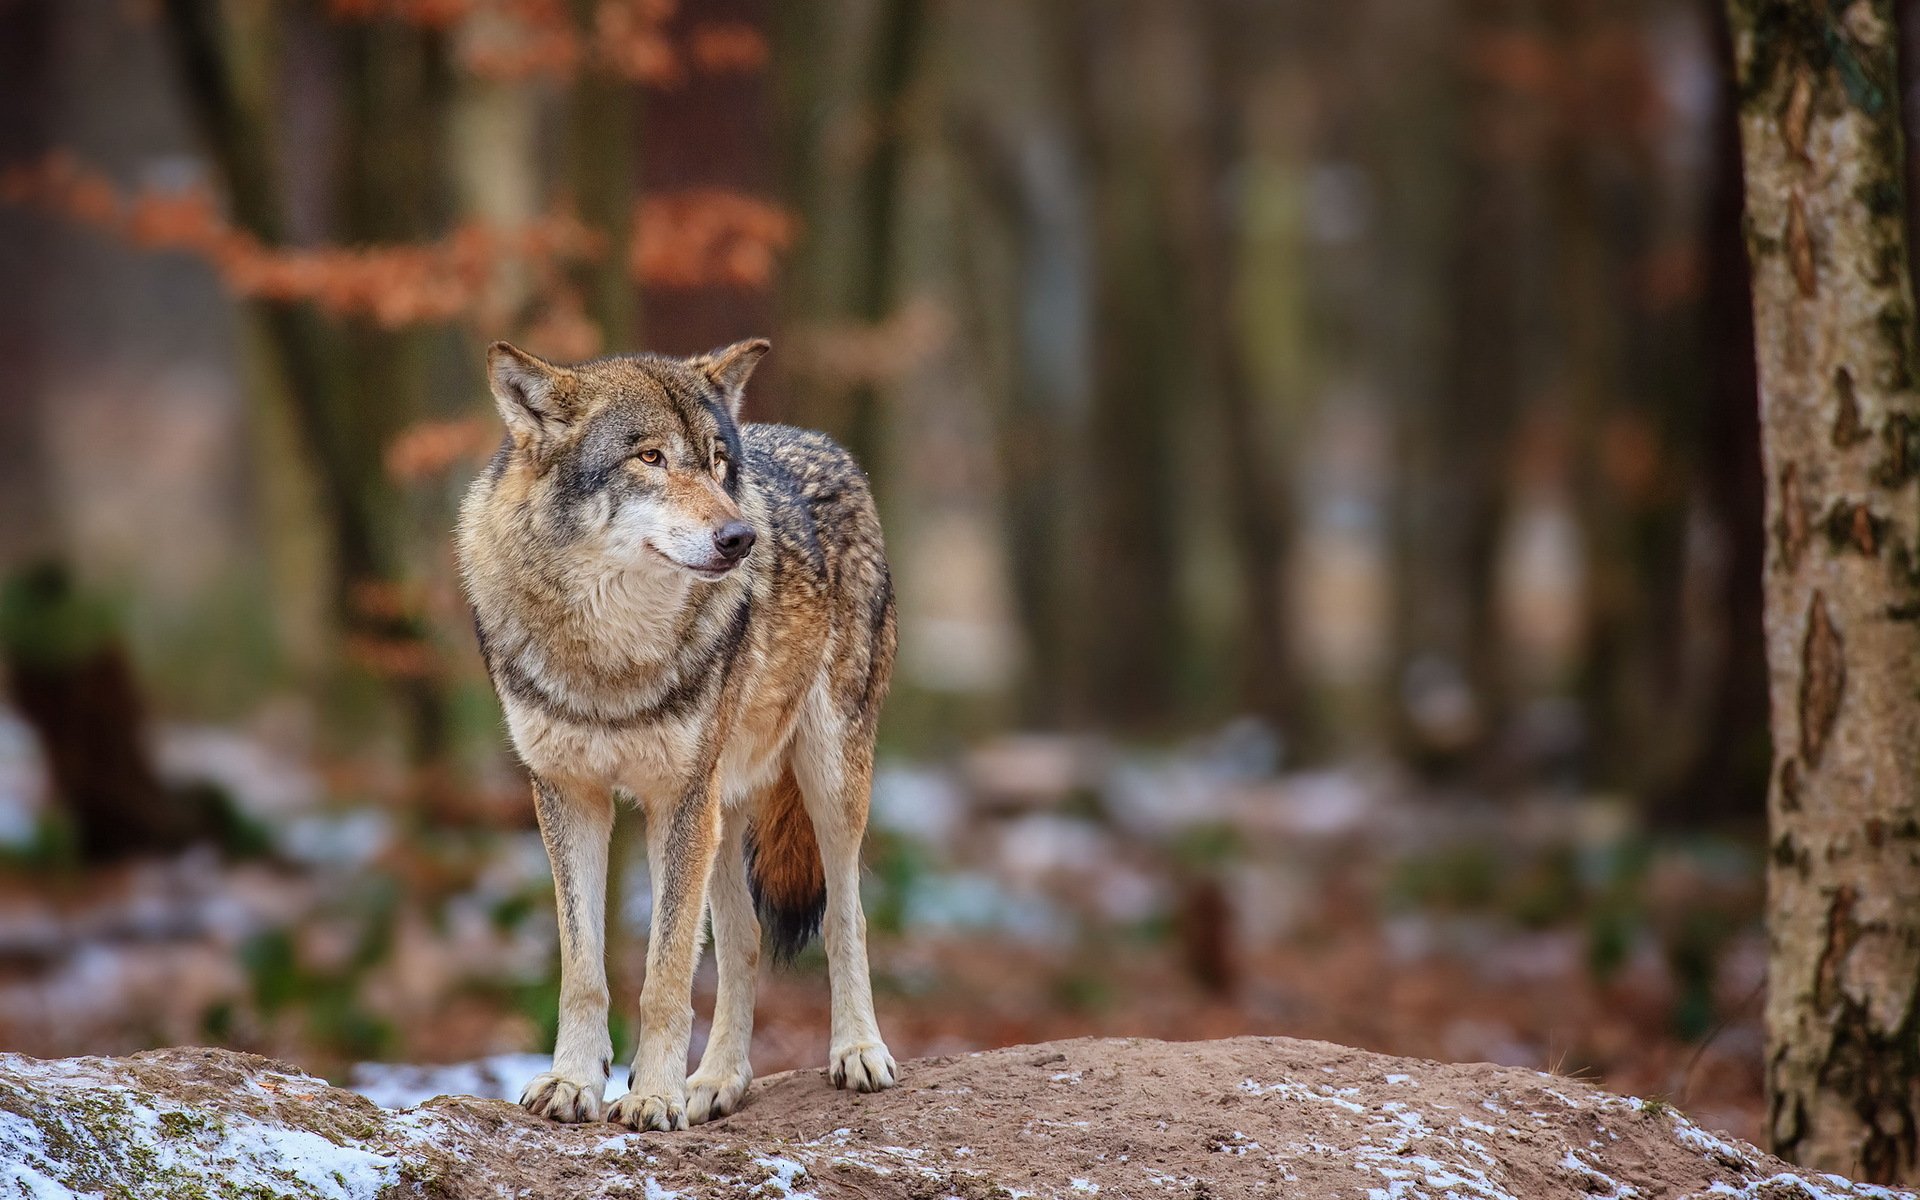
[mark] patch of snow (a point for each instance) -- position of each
(1804, 1188)
(785, 1171)
(1238, 1146)
(499, 1077)
(162, 1149)
(1300, 1091)
(1594, 1179)
(1687, 1133)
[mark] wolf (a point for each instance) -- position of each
(694, 614)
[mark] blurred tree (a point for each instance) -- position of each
(357, 274)
(714, 130)
(1025, 258)
(1722, 774)
(25, 61)
(1456, 405)
(1834, 323)
(1142, 358)
(68, 672)
(350, 388)
(601, 177)
(1232, 37)
(847, 154)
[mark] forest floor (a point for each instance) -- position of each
(1032, 889)
(1224, 1120)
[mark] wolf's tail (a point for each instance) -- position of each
(783, 868)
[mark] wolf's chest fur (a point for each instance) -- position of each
(637, 680)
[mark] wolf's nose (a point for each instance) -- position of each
(733, 540)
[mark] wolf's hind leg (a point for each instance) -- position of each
(717, 1088)
(834, 764)
(576, 824)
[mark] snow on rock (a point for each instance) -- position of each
(499, 1077)
(1244, 1117)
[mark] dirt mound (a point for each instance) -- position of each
(1241, 1117)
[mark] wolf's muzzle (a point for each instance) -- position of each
(733, 540)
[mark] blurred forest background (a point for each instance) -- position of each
(1317, 444)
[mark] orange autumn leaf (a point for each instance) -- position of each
(430, 14)
(452, 278)
(705, 236)
(729, 47)
(428, 448)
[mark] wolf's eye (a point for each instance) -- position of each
(719, 461)
(652, 457)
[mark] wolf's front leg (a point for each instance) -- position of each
(682, 839)
(576, 823)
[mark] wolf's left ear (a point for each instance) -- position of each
(730, 368)
(535, 397)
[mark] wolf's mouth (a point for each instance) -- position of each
(697, 571)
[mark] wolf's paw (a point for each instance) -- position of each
(862, 1067)
(573, 1101)
(712, 1096)
(641, 1111)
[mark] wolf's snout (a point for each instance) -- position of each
(733, 540)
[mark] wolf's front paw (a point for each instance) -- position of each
(641, 1111)
(862, 1067)
(712, 1096)
(573, 1101)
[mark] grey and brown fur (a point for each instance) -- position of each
(732, 695)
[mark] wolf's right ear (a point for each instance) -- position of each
(535, 397)
(729, 368)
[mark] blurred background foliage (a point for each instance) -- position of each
(1316, 442)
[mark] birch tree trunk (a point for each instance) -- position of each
(1833, 319)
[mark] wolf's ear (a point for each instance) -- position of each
(535, 397)
(729, 369)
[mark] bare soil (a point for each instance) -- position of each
(1239, 1117)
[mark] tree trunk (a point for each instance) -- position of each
(68, 672)
(26, 57)
(349, 390)
(600, 148)
(1723, 777)
(1456, 411)
(1833, 321)
(714, 130)
(1142, 352)
(1231, 37)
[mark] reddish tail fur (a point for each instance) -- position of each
(783, 868)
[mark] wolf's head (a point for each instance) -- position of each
(633, 461)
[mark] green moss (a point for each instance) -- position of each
(186, 1124)
(96, 1140)
(48, 619)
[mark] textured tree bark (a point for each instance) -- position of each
(1833, 319)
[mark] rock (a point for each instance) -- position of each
(1241, 1117)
